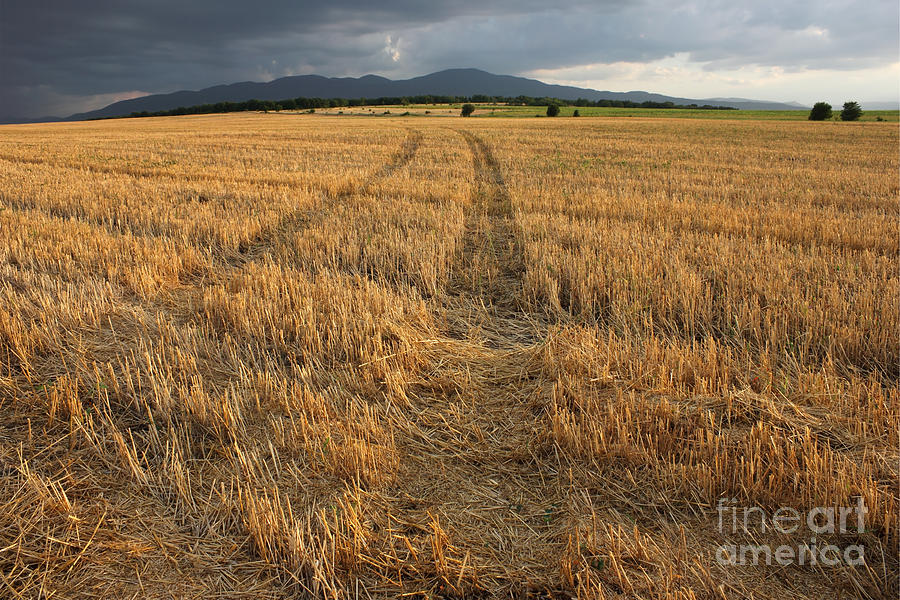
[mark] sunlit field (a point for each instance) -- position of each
(295, 355)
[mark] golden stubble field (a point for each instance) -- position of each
(270, 356)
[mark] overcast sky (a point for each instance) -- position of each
(58, 57)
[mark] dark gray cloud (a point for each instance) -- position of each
(59, 56)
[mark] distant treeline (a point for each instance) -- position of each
(314, 103)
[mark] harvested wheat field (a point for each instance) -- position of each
(289, 356)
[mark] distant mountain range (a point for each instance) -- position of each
(882, 105)
(452, 82)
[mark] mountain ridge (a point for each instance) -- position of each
(449, 82)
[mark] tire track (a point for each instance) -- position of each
(296, 220)
(489, 229)
(264, 241)
(482, 430)
(492, 193)
(292, 223)
(491, 260)
(406, 153)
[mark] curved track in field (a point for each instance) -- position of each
(290, 223)
(267, 239)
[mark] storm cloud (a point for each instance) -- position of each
(60, 57)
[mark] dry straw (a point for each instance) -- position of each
(272, 356)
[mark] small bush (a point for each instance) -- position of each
(851, 111)
(820, 111)
(467, 110)
(577, 113)
(552, 110)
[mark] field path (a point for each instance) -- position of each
(471, 449)
(485, 291)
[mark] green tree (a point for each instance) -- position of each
(820, 111)
(577, 113)
(553, 110)
(851, 112)
(467, 109)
